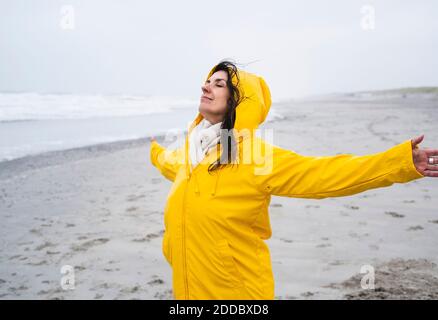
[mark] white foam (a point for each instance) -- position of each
(34, 106)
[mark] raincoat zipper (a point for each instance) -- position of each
(183, 227)
(186, 285)
(189, 173)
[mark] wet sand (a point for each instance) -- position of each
(100, 210)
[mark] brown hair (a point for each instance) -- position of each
(227, 137)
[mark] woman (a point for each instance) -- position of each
(216, 217)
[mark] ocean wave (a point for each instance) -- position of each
(34, 106)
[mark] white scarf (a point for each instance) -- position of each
(203, 137)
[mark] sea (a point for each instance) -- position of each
(33, 123)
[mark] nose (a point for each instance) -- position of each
(205, 88)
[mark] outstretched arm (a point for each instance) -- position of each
(295, 175)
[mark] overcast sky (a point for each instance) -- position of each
(167, 47)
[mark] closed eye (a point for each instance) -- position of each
(217, 81)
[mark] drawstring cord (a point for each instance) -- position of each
(215, 184)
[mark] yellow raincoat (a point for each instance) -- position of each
(216, 224)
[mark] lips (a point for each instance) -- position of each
(205, 97)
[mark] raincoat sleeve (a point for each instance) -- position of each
(166, 161)
(294, 175)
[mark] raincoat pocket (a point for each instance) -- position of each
(236, 279)
(166, 248)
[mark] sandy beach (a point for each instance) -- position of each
(99, 209)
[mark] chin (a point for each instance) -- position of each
(203, 109)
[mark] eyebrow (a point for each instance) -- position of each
(216, 80)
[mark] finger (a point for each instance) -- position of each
(429, 173)
(417, 140)
(433, 159)
(431, 167)
(431, 152)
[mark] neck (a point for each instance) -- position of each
(212, 119)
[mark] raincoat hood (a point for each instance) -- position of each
(250, 113)
(256, 102)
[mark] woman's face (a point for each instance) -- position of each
(215, 95)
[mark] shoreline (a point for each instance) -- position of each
(57, 157)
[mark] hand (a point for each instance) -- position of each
(421, 158)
